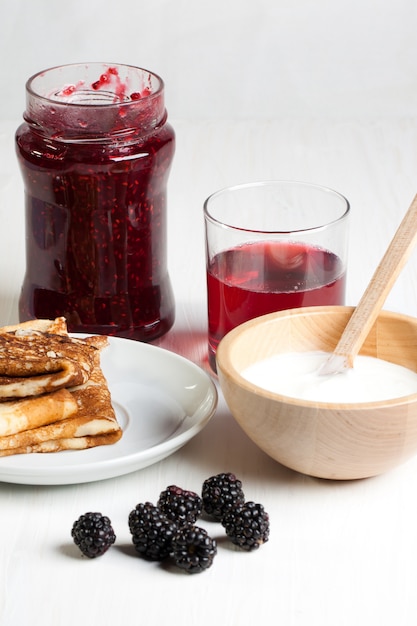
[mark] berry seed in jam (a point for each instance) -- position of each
(95, 169)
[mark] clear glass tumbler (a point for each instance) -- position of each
(272, 245)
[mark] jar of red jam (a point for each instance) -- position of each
(95, 151)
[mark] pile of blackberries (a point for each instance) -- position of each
(169, 529)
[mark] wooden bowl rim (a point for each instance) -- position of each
(226, 369)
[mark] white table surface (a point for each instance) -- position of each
(340, 553)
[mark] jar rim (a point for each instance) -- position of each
(93, 101)
(154, 94)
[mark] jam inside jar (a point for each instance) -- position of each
(95, 151)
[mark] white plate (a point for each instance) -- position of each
(161, 399)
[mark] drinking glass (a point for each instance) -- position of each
(272, 245)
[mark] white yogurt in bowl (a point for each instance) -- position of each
(296, 375)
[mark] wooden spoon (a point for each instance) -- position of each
(372, 301)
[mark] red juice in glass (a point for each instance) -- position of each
(258, 278)
(270, 246)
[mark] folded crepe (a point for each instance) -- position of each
(20, 415)
(58, 326)
(89, 419)
(59, 445)
(37, 358)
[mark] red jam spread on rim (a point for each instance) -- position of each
(96, 214)
(108, 80)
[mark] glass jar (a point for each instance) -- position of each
(95, 151)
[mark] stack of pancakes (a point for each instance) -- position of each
(53, 393)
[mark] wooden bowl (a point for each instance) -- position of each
(325, 440)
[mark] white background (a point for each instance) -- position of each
(227, 58)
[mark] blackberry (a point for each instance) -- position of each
(247, 525)
(151, 531)
(193, 550)
(93, 534)
(181, 506)
(220, 494)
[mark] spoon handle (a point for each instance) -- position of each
(372, 301)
